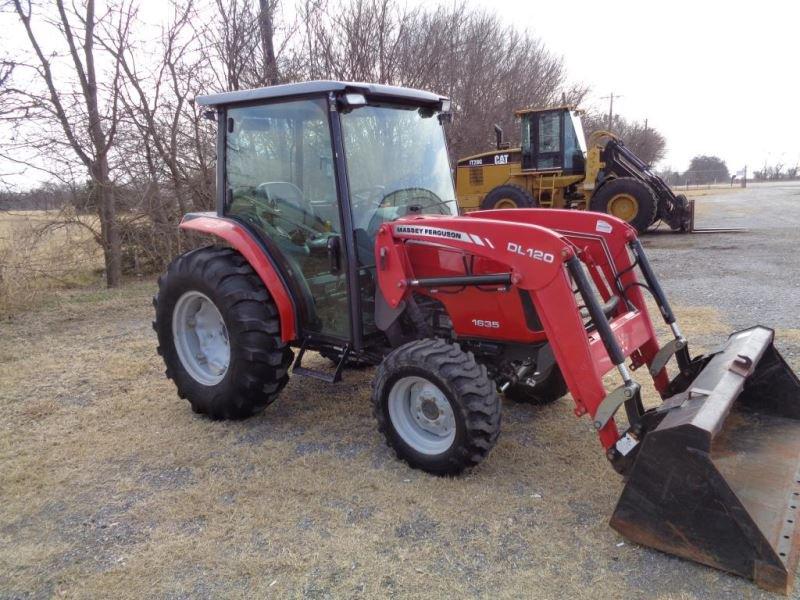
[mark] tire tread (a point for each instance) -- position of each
(259, 358)
(464, 380)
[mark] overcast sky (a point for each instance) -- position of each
(714, 77)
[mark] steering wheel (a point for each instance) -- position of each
(273, 191)
(410, 197)
(367, 195)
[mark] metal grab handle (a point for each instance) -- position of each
(334, 254)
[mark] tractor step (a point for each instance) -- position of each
(326, 376)
(314, 374)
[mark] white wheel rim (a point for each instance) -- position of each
(422, 415)
(201, 338)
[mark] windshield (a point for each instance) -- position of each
(574, 144)
(577, 126)
(397, 165)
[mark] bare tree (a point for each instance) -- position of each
(168, 146)
(246, 47)
(135, 128)
(270, 74)
(6, 70)
(89, 125)
(487, 68)
(647, 143)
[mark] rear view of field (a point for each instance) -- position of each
(110, 486)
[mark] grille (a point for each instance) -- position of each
(476, 176)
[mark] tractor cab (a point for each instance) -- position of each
(313, 169)
(552, 139)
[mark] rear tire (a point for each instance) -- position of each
(628, 199)
(436, 406)
(508, 196)
(225, 287)
(550, 389)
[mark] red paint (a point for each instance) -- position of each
(532, 245)
(240, 239)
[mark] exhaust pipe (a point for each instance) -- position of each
(498, 136)
(717, 480)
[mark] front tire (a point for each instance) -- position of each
(508, 196)
(436, 406)
(628, 199)
(219, 334)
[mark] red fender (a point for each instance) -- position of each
(239, 239)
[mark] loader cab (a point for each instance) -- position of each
(312, 170)
(553, 140)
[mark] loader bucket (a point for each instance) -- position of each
(718, 480)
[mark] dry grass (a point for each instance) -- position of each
(111, 487)
(38, 256)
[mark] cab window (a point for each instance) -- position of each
(574, 144)
(549, 141)
(279, 173)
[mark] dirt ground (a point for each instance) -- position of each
(111, 487)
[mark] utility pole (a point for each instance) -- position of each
(610, 99)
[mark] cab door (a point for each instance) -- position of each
(280, 183)
(548, 141)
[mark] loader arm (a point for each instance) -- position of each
(604, 242)
(619, 161)
(544, 262)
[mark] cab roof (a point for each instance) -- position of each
(525, 111)
(372, 90)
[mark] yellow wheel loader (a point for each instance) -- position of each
(554, 169)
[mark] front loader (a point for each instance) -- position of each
(554, 167)
(338, 232)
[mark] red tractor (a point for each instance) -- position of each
(340, 234)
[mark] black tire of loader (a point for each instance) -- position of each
(549, 390)
(259, 362)
(520, 196)
(469, 390)
(647, 204)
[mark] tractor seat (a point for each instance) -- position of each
(365, 248)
